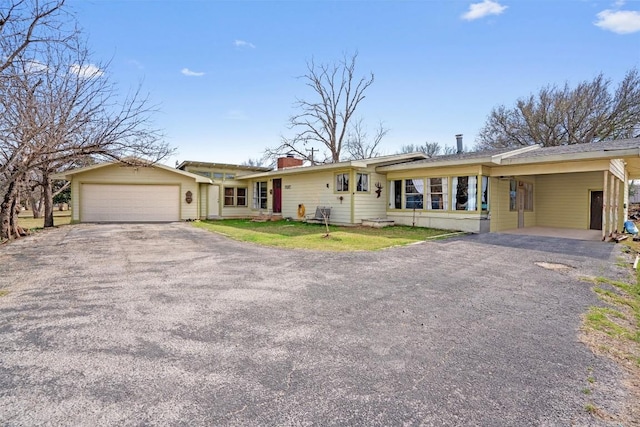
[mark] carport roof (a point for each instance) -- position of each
(67, 175)
(628, 149)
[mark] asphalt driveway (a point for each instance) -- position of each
(171, 325)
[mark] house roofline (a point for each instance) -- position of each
(569, 157)
(67, 175)
(223, 166)
(437, 164)
(350, 164)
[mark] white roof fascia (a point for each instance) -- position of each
(589, 155)
(355, 164)
(436, 164)
(68, 174)
(300, 169)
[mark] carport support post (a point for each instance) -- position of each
(616, 206)
(611, 201)
(605, 202)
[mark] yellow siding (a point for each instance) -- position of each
(550, 168)
(202, 200)
(116, 174)
(563, 200)
(448, 171)
(311, 190)
(369, 205)
(501, 217)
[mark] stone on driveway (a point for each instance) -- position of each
(172, 325)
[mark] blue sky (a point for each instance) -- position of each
(224, 73)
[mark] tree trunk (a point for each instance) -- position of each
(47, 195)
(36, 206)
(14, 229)
(7, 229)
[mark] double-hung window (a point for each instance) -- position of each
(362, 182)
(437, 193)
(413, 193)
(464, 193)
(260, 195)
(342, 182)
(235, 196)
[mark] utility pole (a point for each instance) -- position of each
(313, 150)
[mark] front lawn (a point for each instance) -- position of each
(27, 221)
(299, 235)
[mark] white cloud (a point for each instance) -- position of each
(619, 21)
(236, 115)
(242, 44)
(188, 72)
(485, 8)
(87, 71)
(136, 64)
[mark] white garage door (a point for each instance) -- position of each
(129, 203)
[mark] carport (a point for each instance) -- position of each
(577, 192)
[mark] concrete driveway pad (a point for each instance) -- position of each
(142, 324)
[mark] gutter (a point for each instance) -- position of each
(590, 155)
(435, 164)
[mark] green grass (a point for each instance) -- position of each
(625, 298)
(3, 292)
(299, 235)
(26, 219)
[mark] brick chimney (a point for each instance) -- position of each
(289, 162)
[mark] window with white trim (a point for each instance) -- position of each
(260, 195)
(362, 182)
(464, 193)
(413, 193)
(342, 182)
(437, 194)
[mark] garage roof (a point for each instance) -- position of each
(70, 173)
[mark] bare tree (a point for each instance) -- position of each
(326, 120)
(358, 144)
(588, 112)
(25, 23)
(257, 162)
(431, 149)
(60, 111)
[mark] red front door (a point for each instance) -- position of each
(277, 195)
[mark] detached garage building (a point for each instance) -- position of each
(118, 192)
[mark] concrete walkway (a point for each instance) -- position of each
(564, 233)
